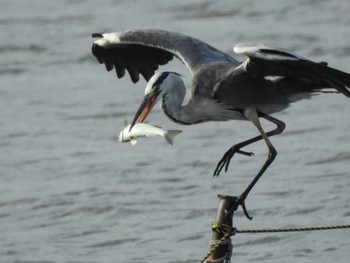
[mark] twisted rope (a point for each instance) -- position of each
(228, 231)
(300, 229)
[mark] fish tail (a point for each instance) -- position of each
(133, 141)
(170, 135)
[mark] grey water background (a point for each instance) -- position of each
(70, 192)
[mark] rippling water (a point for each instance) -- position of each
(69, 192)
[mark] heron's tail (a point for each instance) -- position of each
(170, 135)
(318, 78)
(336, 79)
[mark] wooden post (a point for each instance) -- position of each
(224, 216)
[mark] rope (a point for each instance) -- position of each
(223, 229)
(276, 230)
(228, 231)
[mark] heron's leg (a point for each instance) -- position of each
(225, 160)
(251, 114)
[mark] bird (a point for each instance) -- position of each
(222, 88)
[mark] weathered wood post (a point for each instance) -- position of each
(221, 247)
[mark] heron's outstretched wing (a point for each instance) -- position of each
(142, 51)
(266, 61)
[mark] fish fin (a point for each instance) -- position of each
(125, 123)
(133, 141)
(170, 135)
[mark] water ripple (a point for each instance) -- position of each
(116, 242)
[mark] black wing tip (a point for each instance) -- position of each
(96, 51)
(97, 35)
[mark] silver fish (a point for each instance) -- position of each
(144, 129)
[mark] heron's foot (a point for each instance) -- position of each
(240, 201)
(226, 158)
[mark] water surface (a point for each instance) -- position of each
(69, 192)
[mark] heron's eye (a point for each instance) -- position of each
(156, 89)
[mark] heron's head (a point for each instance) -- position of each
(156, 87)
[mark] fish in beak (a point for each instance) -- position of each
(144, 109)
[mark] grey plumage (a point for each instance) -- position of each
(222, 88)
(143, 51)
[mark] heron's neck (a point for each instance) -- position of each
(172, 104)
(195, 111)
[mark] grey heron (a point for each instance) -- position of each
(222, 88)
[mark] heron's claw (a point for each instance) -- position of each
(226, 159)
(245, 153)
(240, 202)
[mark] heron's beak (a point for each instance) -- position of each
(145, 108)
